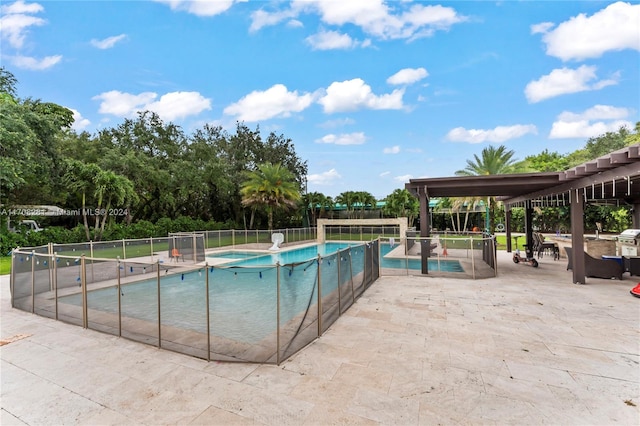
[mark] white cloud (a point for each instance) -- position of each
(610, 29)
(403, 178)
(16, 20)
(541, 28)
(354, 94)
(383, 174)
(79, 122)
(597, 112)
(356, 138)
(170, 106)
(29, 63)
(580, 125)
(261, 18)
(402, 21)
(392, 150)
(108, 42)
(340, 122)
(408, 76)
(324, 178)
(330, 40)
(563, 81)
(199, 7)
(584, 129)
(499, 134)
(177, 105)
(276, 101)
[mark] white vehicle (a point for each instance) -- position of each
(29, 225)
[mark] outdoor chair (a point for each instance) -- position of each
(541, 246)
(175, 255)
(597, 268)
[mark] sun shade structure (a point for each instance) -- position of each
(612, 178)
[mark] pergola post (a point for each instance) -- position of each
(425, 230)
(507, 227)
(577, 236)
(528, 228)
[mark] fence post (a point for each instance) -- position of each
(55, 282)
(50, 252)
(124, 249)
(473, 267)
(152, 249)
(33, 281)
(159, 322)
(193, 244)
(119, 299)
(319, 299)
(12, 280)
(278, 313)
(206, 273)
(353, 295)
(339, 286)
(83, 283)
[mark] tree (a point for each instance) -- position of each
(30, 130)
(316, 203)
(270, 187)
(400, 203)
(493, 161)
(348, 199)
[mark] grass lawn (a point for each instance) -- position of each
(5, 265)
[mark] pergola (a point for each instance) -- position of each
(612, 177)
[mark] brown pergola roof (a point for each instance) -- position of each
(613, 176)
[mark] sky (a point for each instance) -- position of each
(372, 93)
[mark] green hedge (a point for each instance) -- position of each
(141, 229)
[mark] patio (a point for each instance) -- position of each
(526, 347)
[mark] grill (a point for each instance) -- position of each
(628, 242)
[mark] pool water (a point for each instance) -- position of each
(283, 257)
(243, 294)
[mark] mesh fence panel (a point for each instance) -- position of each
(139, 309)
(456, 256)
(345, 279)
(42, 284)
(183, 312)
(22, 289)
(243, 306)
(255, 314)
(358, 267)
(330, 294)
(186, 247)
(298, 306)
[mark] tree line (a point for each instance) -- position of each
(147, 170)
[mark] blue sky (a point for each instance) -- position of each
(372, 93)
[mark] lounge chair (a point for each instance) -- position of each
(175, 255)
(597, 268)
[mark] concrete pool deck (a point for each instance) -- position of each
(526, 347)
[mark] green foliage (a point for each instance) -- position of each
(548, 162)
(270, 187)
(400, 203)
(115, 231)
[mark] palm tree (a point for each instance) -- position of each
(348, 199)
(400, 203)
(493, 161)
(314, 201)
(271, 187)
(364, 199)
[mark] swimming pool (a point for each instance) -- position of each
(243, 294)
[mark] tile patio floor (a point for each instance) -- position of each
(528, 347)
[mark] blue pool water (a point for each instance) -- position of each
(288, 256)
(243, 293)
